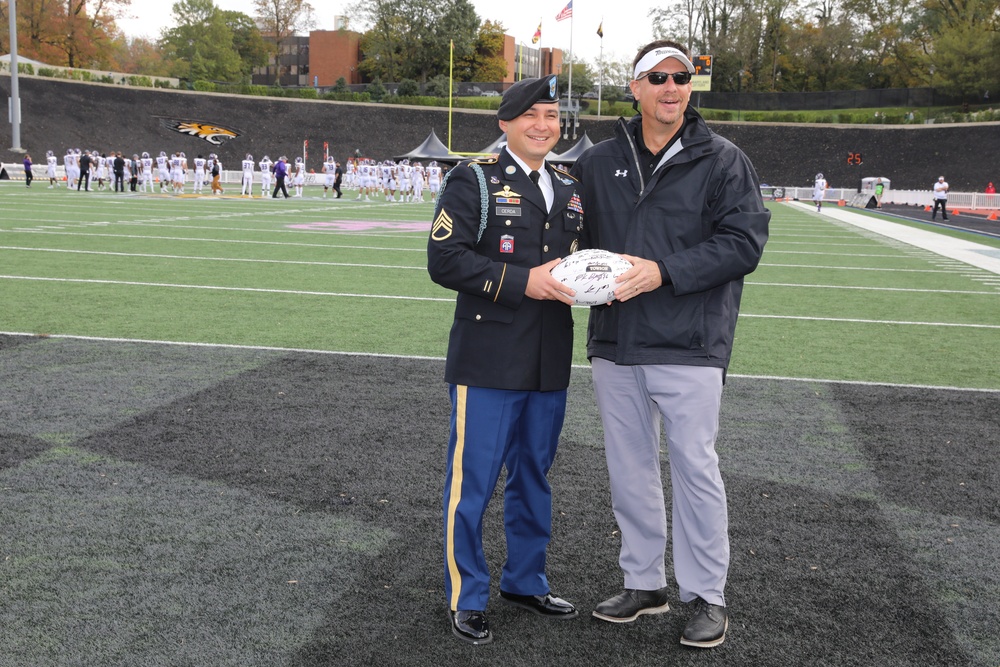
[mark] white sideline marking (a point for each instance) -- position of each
(214, 259)
(968, 252)
(228, 289)
(266, 348)
(207, 240)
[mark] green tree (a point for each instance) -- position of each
(413, 38)
(583, 79)
(486, 62)
(247, 40)
(201, 44)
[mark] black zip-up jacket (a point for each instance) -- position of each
(700, 216)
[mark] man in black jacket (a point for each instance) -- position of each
(119, 169)
(500, 225)
(85, 162)
(684, 206)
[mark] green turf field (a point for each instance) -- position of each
(828, 302)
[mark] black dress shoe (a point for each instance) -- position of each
(471, 626)
(707, 627)
(547, 605)
(630, 604)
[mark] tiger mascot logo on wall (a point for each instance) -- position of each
(210, 132)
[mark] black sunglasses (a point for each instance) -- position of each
(660, 78)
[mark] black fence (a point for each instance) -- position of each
(832, 99)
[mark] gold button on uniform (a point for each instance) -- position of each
(545, 248)
(546, 225)
(479, 317)
(507, 223)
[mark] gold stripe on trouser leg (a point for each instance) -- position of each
(455, 496)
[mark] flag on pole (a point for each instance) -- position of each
(538, 34)
(566, 12)
(600, 30)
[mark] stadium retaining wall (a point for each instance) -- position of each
(59, 114)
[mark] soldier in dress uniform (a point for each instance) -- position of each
(500, 226)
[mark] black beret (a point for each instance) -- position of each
(525, 93)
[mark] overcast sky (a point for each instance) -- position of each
(624, 31)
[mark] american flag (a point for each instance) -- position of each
(566, 12)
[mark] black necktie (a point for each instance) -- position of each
(534, 176)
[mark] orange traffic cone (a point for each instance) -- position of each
(927, 209)
(954, 212)
(992, 216)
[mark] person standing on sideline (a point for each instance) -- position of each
(118, 169)
(990, 188)
(28, 177)
(819, 191)
(940, 198)
(216, 174)
(683, 205)
(83, 161)
(879, 191)
(280, 172)
(509, 354)
(338, 180)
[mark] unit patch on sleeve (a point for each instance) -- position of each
(442, 227)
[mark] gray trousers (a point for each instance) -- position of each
(632, 400)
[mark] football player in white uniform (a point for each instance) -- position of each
(199, 174)
(70, 166)
(433, 179)
(248, 165)
(50, 168)
(266, 176)
(351, 174)
(163, 169)
(146, 172)
(417, 179)
(102, 169)
(388, 171)
(403, 174)
(365, 179)
(299, 179)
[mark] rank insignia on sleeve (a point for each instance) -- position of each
(507, 244)
(506, 192)
(442, 227)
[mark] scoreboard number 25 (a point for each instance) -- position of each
(854, 158)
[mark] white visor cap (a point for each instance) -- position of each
(651, 59)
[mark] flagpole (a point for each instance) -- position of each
(570, 82)
(451, 84)
(600, 64)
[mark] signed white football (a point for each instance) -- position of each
(591, 273)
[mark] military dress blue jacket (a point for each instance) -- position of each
(488, 233)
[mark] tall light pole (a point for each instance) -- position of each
(15, 94)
